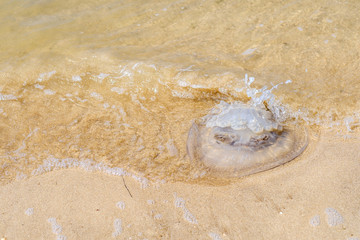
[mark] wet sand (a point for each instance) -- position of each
(119, 83)
(315, 196)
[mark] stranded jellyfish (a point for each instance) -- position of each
(236, 140)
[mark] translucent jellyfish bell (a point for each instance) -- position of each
(236, 140)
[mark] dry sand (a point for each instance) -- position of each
(316, 196)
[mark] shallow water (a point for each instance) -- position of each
(119, 82)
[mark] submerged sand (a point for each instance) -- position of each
(316, 196)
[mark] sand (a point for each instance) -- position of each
(316, 196)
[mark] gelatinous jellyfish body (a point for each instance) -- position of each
(236, 140)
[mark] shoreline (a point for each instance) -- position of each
(312, 197)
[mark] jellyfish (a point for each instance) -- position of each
(235, 140)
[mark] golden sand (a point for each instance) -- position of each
(294, 201)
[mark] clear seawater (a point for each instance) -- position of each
(119, 82)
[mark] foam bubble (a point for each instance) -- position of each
(214, 236)
(8, 97)
(56, 229)
(49, 92)
(118, 90)
(39, 86)
(315, 221)
(158, 216)
(52, 163)
(117, 227)
(334, 218)
(120, 205)
(76, 78)
(45, 76)
(180, 203)
(249, 51)
(97, 96)
(29, 211)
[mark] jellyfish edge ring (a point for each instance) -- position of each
(236, 140)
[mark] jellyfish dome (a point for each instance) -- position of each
(237, 139)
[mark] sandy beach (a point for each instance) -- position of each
(316, 196)
(100, 102)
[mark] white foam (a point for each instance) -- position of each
(117, 227)
(180, 203)
(150, 201)
(214, 236)
(188, 69)
(140, 148)
(56, 229)
(259, 96)
(248, 51)
(7, 97)
(76, 78)
(197, 86)
(80, 100)
(49, 92)
(125, 72)
(182, 94)
(315, 221)
(118, 90)
(52, 163)
(20, 176)
(135, 99)
(23, 145)
(39, 86)
(97, 96)
(334, 218)
(183, 83)
(351, 122)
(186, 77)
(45, 76)
(29, 211)
(101, 76)
(158, 216)
(120, 205)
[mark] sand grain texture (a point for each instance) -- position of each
(276, 204)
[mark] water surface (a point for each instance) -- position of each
(119, 82)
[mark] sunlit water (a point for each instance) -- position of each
(119, 82)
